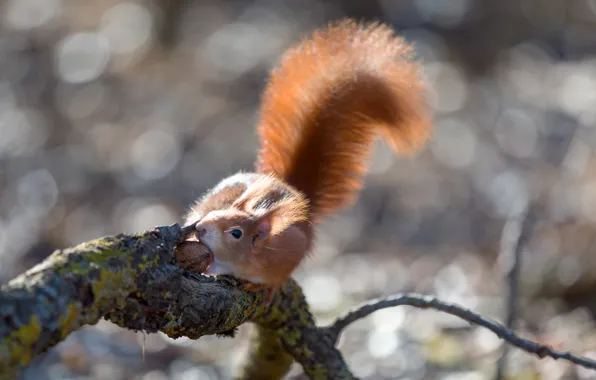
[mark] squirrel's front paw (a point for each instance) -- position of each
(252, 287)
(269, 291)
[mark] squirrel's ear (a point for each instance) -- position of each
(276, 219)
(271, 222)
(264, 226)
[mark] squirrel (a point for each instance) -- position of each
(323, 106)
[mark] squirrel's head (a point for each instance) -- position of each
(239, 236)
(232, 236)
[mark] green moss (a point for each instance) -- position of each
(171, 329)
(66, 321)
(318, 372)
(110, 283)
(292, 337)
(108, 267)
(266, 359)
(19, 341)
(93, 258)
(154, 260)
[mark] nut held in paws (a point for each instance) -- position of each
(193, 256)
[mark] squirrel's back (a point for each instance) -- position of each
(327, 101)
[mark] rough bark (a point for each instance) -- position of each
(136, 282)
(133, 281)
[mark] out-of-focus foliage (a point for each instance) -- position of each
(105, 130)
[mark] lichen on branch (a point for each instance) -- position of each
(144, 282)
(76, 287)
(135, 282)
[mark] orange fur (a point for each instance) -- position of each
(273, 219)
(331, 95)
(269, 195)
(323, 107)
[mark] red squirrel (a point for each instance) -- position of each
(328, 99)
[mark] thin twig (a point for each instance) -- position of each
(513, 274)
(168, 31)
(526, 227)
(425, 302)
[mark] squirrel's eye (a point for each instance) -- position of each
(236, 233)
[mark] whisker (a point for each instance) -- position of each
(273, 249)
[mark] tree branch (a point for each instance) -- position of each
(266, 358)
(132, 280)
(135, 282)
(75, 287)
(540, 350)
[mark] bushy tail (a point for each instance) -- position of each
(327, 101)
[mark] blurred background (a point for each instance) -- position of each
(115, 115)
